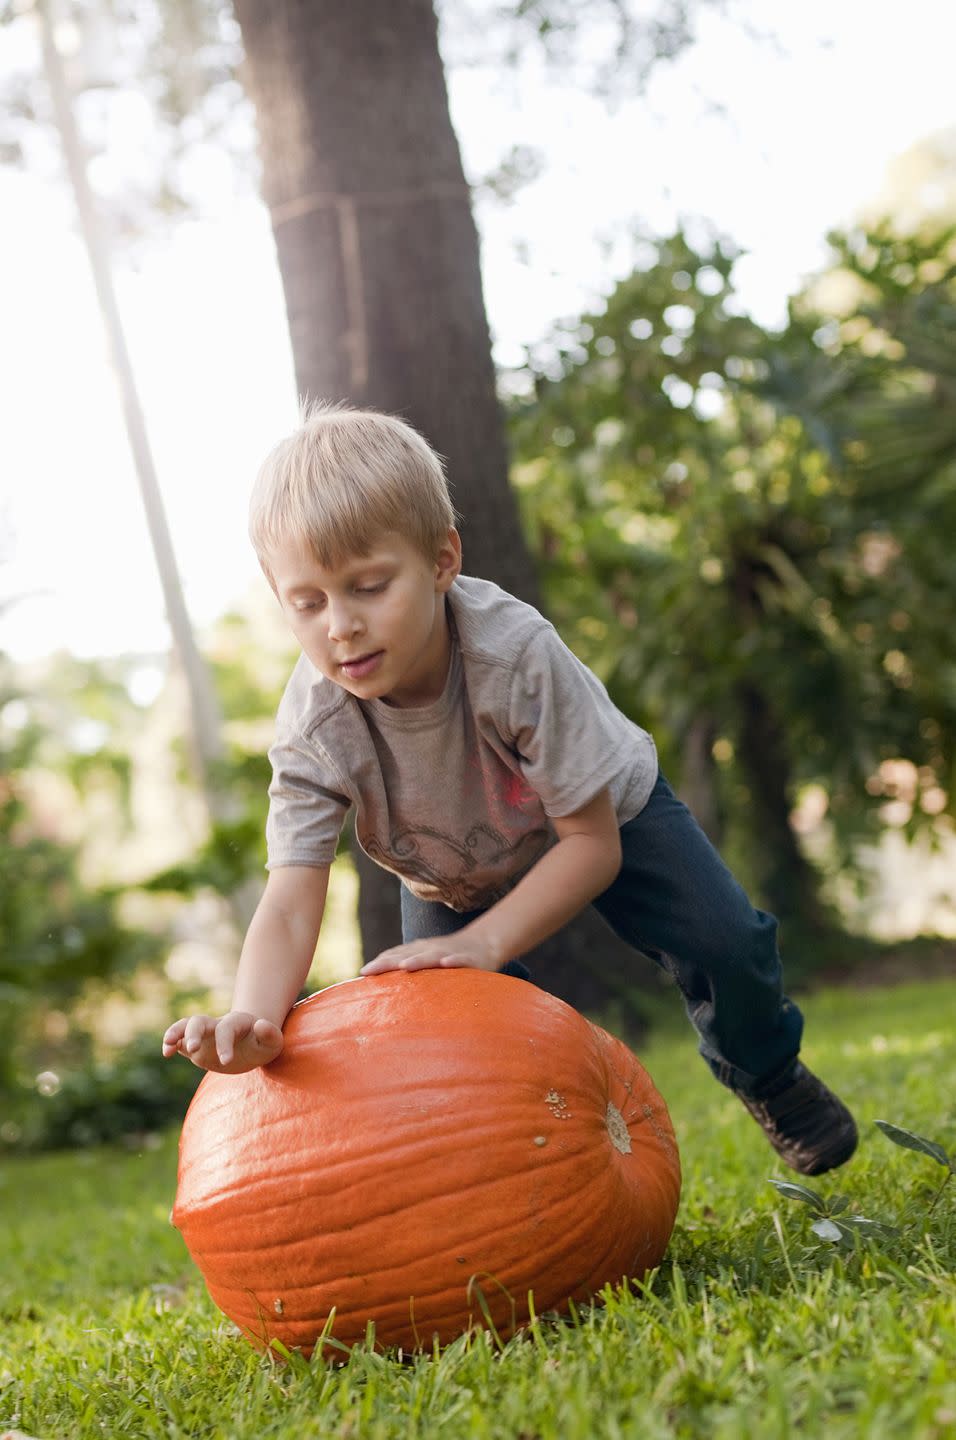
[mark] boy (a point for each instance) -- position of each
(489, 770)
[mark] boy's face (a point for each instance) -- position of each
(374, 624)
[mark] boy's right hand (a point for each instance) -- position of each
(231, 1045)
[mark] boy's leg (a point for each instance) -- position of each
(427, 919)
(676, 899)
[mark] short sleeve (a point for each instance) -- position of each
(570, 737)
(306, 806)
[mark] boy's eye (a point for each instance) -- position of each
(303, 607)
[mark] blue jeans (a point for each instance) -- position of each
(675, 900)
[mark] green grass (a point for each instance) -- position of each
(752, 1327)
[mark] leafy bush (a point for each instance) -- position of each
(135, 1093)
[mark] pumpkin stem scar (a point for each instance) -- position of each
(617, 1129)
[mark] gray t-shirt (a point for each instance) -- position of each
(455, 797)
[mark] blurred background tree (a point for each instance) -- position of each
(61, 936)
(99, 950)
(378, 253)
(747, 532)
(377, 249)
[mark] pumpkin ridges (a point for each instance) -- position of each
(518, 1271)
(320, 1243)
(513, 1150)
(547, 1171)
(267, 1214)
(409, 1103)
(519, 1279)
(387, 1315)
(523, 1118)
(515, 1228)
(469, 1154)
(543, 1161)
(511, 1237)
(392, 1321)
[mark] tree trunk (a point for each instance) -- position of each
(376, 242)
(378, 253)
(698, 787)
(787, 880)
(788, 884)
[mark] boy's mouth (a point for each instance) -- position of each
(362, 665)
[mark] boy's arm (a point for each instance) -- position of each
(273, 966)
(585, 861)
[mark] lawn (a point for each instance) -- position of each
(753, 1326)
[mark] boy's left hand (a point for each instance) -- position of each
(445, 951)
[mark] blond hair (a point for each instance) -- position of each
(342, 479)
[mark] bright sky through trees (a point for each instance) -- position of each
(808, 129)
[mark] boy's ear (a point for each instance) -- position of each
(448, 561)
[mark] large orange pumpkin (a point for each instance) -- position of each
(428, 1148)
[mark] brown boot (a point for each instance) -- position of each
(810, 1129)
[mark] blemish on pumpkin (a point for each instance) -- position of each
(557, 1105)
(617, 1129)
(541, 1139)
(278, 1306)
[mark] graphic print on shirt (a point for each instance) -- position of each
(438, 865)
(499, 791)
(518, 794)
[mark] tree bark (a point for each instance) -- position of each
(376, 242)
(698, 787)
(788, 884)
(787, 880)
(378, 252)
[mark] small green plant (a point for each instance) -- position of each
(833, 1223)
(909, 1140)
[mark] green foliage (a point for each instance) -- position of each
(746, 531)
(68, 748)
(831, 1220)
(890, 414)
(224, 861)
(234, 849)
(911, 1141)
(58, 932)
(135, 1092)
(611, 49)
(622, 481)
(833, 1224)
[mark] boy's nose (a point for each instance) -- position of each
(343, 624)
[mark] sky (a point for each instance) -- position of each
(770, 144)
